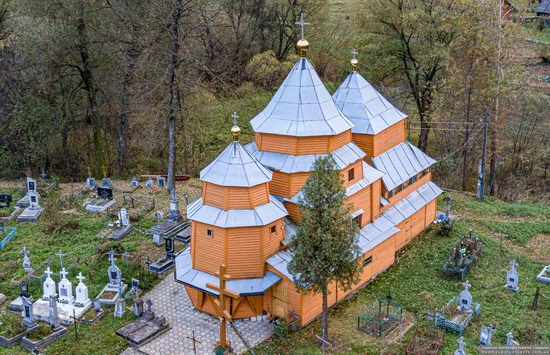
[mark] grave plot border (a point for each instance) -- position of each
(35, 345)
(457, 327)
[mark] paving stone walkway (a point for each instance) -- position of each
(171, 301)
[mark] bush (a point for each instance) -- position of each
(540, 24)
(265, 71)
(544, 53)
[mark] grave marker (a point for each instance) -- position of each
(460, 350)
(465, 298)
(26, 306)
(512, 278)
(48, 287)
(82, 298)
(26, 259)
(486, 335)
(65, 288)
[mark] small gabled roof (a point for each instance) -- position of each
(302, 107)
(235, 167)
(369, 111)
(401, 163)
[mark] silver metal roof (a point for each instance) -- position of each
(285, 163)
(259, 216)
(412, 202)
(302, 106)
(401, 163)
(370, 175)
(380, 229)
(369, 111)
(198, 279)
(235, 167)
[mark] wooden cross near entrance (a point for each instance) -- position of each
(220, 303)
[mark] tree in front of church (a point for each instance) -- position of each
(325, 249)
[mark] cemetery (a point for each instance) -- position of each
(153, 266)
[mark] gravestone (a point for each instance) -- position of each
(486, 335)
(26, 259)
(510, 342)
(135, 286)
(82, 299)
(145, 328)
(124, 227)
(138, 307)
(5, 200)
(168, 261)
(512, 278)
(31, 213)
(172, 225)
(48, 286)
(31, 187)
(465, 298)
(90, 183)
(134, 182)
(27, 307)
(115, 287)
(53, 314)
(97, 305)
(104, 198)
(460, 350)
(161, 182)
(149, 183)
(65, 288)
(120, 305)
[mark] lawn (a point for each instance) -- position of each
(77, 234)
(533, 33)
(415, 283)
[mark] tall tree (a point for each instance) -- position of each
(412, 37)
(174, 102)
(325, 248)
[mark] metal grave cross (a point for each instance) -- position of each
(220, 303)
(61, 255)
(112, 258)
(301, 23)
(195, 341)
(25, 251)
(467, 285)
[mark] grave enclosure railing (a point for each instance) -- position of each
(457, 327)
(6, 234)
(380, 319)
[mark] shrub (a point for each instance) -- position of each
(265, 71)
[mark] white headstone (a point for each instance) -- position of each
(466, 298)
(48, 286)
(123, 217)
(134, 182)
(510, 342)
(65, 288)
(90, 183)
(81, 291)
(149, 183)
(460, 350)
(115, 277)
(31, 185)
(485, 335)
(512, 278)
(26, 259)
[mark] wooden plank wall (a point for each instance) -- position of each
(207, 253)
(244, 252)
(301, 145)
(362, 200)
(389, 138)
(234, 198)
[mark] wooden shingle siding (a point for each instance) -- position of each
(272, 242)
(366, 143)
(358, 173)
(244, 254)
(280, 184)
(293, 296)
(383, 256)
(208, 253)
(300, 145)
(294, 212)
(389, 138)
(430, 213)
(298, 181)
(376, 188)
(361, 200)
(235, 198)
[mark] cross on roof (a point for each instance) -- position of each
(301, 23)
(354, 53)
(63, 273)
(235, 118)
(80, 277)
(48, 272)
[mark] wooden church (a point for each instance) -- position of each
(249, 209)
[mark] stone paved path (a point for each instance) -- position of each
(171, 301)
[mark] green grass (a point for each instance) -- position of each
(415, 283)
(519, 232)
(86, 253)
(532, 32)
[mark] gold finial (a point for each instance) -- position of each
(302, 45)
(354, 60)
(235, 130)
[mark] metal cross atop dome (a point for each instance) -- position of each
(354, 60)
(354, 53)
(235, 118)
(235, 130)
(301, 23)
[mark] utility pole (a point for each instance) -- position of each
(481, 171)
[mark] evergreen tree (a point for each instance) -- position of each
(325, 248)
